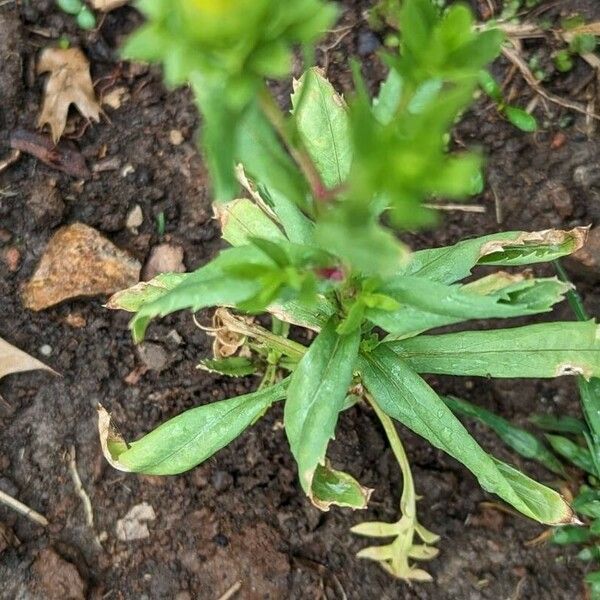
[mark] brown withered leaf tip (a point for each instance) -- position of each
(79, 261)
(69, 83)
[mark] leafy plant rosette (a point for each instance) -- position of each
(312, 245)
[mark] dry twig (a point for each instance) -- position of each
(10, 159)
(80, 490)
(473, 208)
(31, 514)
(230, 593)
(514, 57)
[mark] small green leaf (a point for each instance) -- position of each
(490, 86)
(594, 580)
(595, 527)
(71, 7)
(587, 503)
(588, 554)
(188, 439)
(583, 43)
(576, 454)
(316, 395)
(521, 119)
(86, 19)
(378, 529)
(563, 61)
(543, 350)
(570, 535)
(338, 488)
(563, 424)
(232, 366)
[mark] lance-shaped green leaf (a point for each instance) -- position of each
(316, 396)
(323, 124)
(241, 220)
(507, 249)
(406, 397)
(562, 424)
(188, 439)
(574, 453)
(587, 502)
(520, 440)
(428, 304)
(543, 350)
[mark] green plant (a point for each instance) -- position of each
(83, 15)
(573, 440)
(517, 116)
(313, 245)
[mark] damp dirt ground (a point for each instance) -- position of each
(240, 517)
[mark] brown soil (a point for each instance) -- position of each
(240, 516)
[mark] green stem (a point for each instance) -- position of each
(572, 296)
(408, 499)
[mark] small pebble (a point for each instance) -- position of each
(221, 540)
(144, 176)
(175, 137)
(221, 481)
(367, 43)
(45, 204)
(12, 258)
(128, 169)
(46, 350)
(154, 356)
(135, 218)
(108, 164)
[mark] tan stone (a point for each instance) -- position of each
(79, 261)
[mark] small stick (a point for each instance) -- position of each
(529, 77)
(23, 509)
(497, 206)
(230, 593)
(473, 208)
(80, 490)
(9, 160)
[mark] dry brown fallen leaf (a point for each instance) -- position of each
(13, 360)
(79, 261)
(69, 83)
(106, 5)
